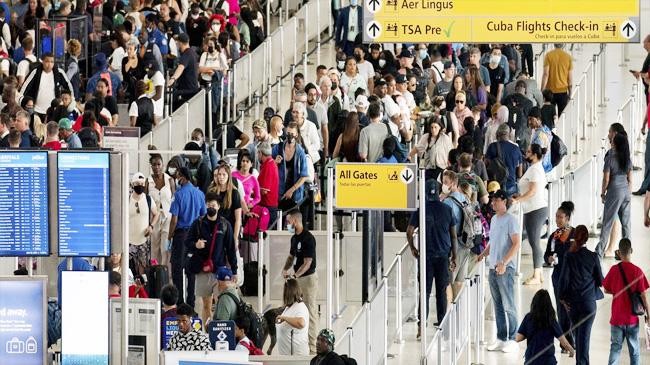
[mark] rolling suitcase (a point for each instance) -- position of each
(250, 269)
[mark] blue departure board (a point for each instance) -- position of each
(24, 204)
(84, 203)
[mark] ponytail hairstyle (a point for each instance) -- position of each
(567, 208)
(622, 149)
(537, 150)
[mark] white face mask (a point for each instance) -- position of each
(495, 60)
(446, 189)
(290, 228)
(382, 62)
(195, 16)
(354, 3)
(423, 54)
(341, 65)
(216, 28)
(172, 170)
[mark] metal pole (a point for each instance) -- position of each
(422, 260)
(354, 218)
(307, 5)
(278, 225)
(385, 320)
(231, 79)
(318, 30)
(30, 266)
(260, 272)
(231, 95)
(304, 63)
(295, 44)
(208, 133)
(282, 58)
(594, 118)
(256, 100)
(223, 77)
(268, 18)
(188, 134)
(594, 192)
(337, 277)
(520, 217)
(224, 139)
(330, 245)
(477, 319)
(398, 301)
(68, 262)
(603, 78)
(125, 262)
(279, 86)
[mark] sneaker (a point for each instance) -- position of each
(496, 345)
(510, 346)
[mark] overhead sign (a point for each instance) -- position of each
(23, 338)
(124, 139)
(222, 335)
(375, 186)
(501, 21)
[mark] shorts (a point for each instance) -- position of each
(205, 284)
(465, 262)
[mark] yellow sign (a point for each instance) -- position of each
(501, 21)
(375, 186)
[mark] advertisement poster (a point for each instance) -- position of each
(22, 315)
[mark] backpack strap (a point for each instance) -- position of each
(462, 209)
(149, 205)
(232, 296)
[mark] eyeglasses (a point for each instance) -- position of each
(137, 208)
(460, 101)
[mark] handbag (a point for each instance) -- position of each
(635, 298)
(196, 264)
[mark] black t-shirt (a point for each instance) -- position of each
(196, 29)
(290, 177)
(233, 134)
(110, 103)
(188, 81)
(303, 246)
(548, 115)
(539, 342)
(235, 204)
(497, 76)
(644, 70)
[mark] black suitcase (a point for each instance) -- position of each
(157, 278)
(250, 269)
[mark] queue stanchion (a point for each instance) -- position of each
(330, 246)
(398, 300)
(278, 82)
(125, 263)
(318, 31)
(208, 96)
(260, 272)
(278, 225)
(337, 274)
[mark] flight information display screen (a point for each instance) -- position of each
(24, 219)
(84, 203)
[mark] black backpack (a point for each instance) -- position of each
(244, 309)
(558, 150)
(497, 169)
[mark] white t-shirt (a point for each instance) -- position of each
(45, 93)
(157, 80)
(536, 174)
(300, 336)
(366, 69)
(116, 61)
(309, 135)
(138, 222)
(23, 66)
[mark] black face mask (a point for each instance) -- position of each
(210, 49)
(334, 86)
(211, 212)
(357, 57)
(138, 189)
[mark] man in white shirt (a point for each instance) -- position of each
(319, 109)
(365, 67)
(143, 216)
(45, 83)
(24, 65)
(308, 131)
(155, 82)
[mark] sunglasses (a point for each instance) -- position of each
(460, 101)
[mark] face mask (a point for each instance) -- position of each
(211, 212)
(357, 57)
(340, 65)
(446, 189)
(171, 170)
(30, 110)
(353, 3)
(290, 138)
(210, 49)
(423, 54)
(495, 60)
(195, 15)
(216, 27)
(382, 62)
(291, 229)
(138, 189)
(334, 86)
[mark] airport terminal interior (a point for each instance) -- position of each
(256, 181)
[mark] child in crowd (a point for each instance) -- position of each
(242, 324)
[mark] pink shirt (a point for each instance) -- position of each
(251, 188)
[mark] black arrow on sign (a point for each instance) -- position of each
(374, 4)
(407, 175)
(374, 28)
(628, 28)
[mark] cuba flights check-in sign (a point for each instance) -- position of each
(375, 186)
(501, 21)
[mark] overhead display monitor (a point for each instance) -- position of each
(24, 199)
(84, 203)
(23, 335)
(84, 317)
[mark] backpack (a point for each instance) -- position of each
(348, 360)
(400, 151)
(252, 349)
(246, 310)
(470, 178)
(34, 141)
(32, 65)
(254, 224)
(558, 150)
(107, 76)
(497, 169)
(472, 233)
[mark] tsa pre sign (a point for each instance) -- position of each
(375, 186)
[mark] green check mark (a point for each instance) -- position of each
(448, 30)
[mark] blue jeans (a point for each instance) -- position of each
(502, 288)
(620, 333)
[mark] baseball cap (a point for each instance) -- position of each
(259, 124)
(138, 177)
(401, 79)
(224, 274)
(500, 194)
(328, 335)
(448, 65)
(65, 123)
(362, 102)
(100, 60)
(493, 186)
(380, 82)
(192, 146)
(183, 38)
(405, 53)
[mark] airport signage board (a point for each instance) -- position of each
(375, 186)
